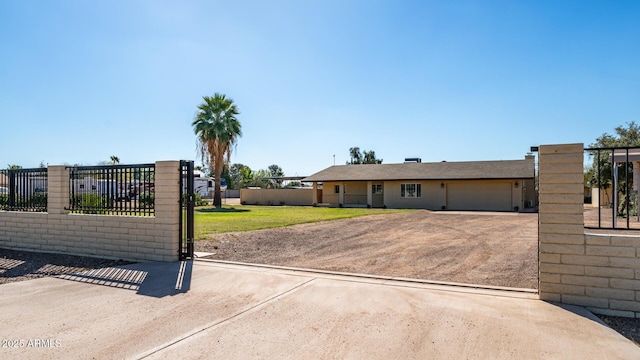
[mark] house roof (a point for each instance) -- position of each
(468, 170)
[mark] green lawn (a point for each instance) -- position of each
(246, 218)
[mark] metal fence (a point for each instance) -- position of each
(613, 178)
(23, 190)
(112, 190)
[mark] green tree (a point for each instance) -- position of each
(246, 176)
(624, 136)
(236, 180)
(370, 158)
(356, 156)
(114, 160)
(13, 167)
(275, 171)
(364, 157)
(260, 179)
(217, 130)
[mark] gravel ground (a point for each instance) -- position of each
(498, 249)
(26, 265)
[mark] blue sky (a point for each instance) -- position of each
(441, 80)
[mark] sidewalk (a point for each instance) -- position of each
(207, 309)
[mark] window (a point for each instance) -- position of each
(376, 188)
(336, 189)
(410, 190)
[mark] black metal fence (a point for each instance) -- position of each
(187, 199)
(23, 190)
(612, 181)
(112, 190)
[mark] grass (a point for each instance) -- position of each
(210, 220)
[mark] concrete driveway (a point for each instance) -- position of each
(216, 310)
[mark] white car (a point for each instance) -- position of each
(4, 190)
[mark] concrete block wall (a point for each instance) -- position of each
(302, 197)
(600, 272)
(117, 237)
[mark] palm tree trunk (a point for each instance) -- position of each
(217, 173)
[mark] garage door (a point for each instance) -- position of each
(479, 196)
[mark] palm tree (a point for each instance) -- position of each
(115, 160)
(217, 129)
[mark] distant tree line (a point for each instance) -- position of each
(240, 176)
(362, 157)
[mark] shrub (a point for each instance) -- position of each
(147, 201)
(92, 203)
(199, 201)
(39, 200)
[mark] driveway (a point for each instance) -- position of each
(496, 249)
(196, 310)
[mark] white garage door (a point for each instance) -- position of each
(479, 196)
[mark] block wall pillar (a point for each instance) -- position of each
(561, 220)
(58, 189)
(167, 205)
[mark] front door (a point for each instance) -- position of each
(377, 195)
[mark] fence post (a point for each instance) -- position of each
(561, 218)
(58, 190)
(167, 205)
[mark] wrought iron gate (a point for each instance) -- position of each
(186, 245)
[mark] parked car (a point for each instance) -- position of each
(4, 190)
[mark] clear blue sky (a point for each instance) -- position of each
(441, 80)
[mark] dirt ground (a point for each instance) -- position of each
(632, 225)
(499, 249)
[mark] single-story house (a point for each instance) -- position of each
(505, 185)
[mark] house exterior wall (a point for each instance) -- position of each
(116, 237)
(329, 196)
(355, 192)
(435, 194)
(432, 196)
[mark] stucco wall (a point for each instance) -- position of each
(118, 237)
(600, 272)
(329, 196)
(277, 196)
(356, 192)
(432, 195)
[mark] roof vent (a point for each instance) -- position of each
(412, 160)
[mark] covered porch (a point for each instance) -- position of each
(368, 194)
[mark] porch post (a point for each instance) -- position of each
(369, 194)
(314, 198)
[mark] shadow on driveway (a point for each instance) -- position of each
(149, 279)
